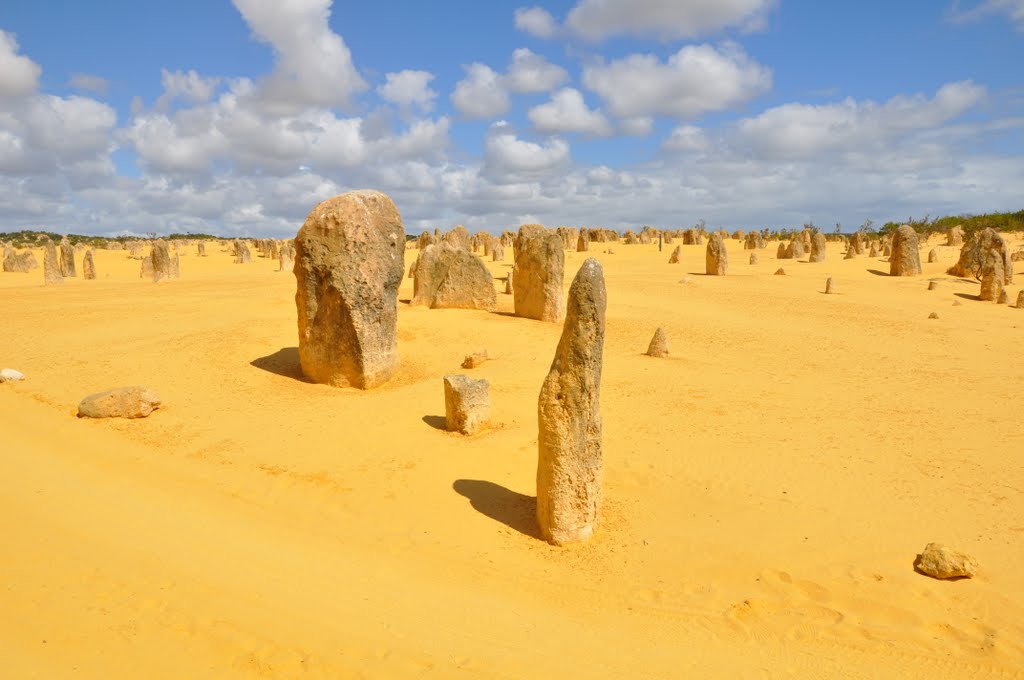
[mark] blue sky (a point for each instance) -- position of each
(238, 117)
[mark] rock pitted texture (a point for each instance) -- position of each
(51, 265)
(458, 237)
(120, 402)
(659, 344)
(993, 277)
(349, 261)
(975, 253)
(538, 272)
(162, 264)
(88, 266)
(450, 277)
(938, 561)
(716, 259)
(242, 253)
(674, 257)
(569, 464)
(905, 259)
(817, 247)
(21, 263)
(11, 375)
(467, 404)
(67, 258)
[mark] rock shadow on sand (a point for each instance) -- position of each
(284, 362)
(437, 422)
(514, 510)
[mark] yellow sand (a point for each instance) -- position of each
(767, 487)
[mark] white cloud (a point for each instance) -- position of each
(481, 94)
(313, 66)
(668, 19)
(536, 21)
(189, 87)
(508, 159)
(530, 72)
(798, 130)
(687, 138)
(19, 75)
(695, 80)
(409, 88)
(87, 82)
(1014, 9)
(567, 112)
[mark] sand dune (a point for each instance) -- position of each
(767, 486)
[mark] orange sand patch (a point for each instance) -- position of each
(767, 486)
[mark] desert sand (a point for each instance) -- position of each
(767, 486)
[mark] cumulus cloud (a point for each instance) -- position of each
(687, 138)
(695, 80)
(667, 19)
(481, 94)
(536, 21)
(313, 66)
(567, 112)
(508, 159)
(188, 87)
(408, 89)
(530, 72)
(19, 75)
(798, 130)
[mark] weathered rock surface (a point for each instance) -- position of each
(120, 402)
(51, 265)
(955, 236)
(938, 561)
(67, 258)
(992, 277)
(21, 263)
(242, 253)
(88, 266)
(286, 257)
(162, 264)
(830, 286)
(753, 258)
(780, 272)
(933, 256)
(933, 285)
(905, 259)
(467, 404)
(539, 271)
(659, 344)
(674, 257)
(450, 277)
(349, 261)
(974, 255)
(716, 258)
(817, 247)
(569, 464)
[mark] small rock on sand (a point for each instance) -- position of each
(830, 286)
(780, 272)
(932, 285)
(11, 375)
(934, 315)
(957, 303)
(467, 405)
(659, 344)
(475, 359)
(120, 402)
(938, 561)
